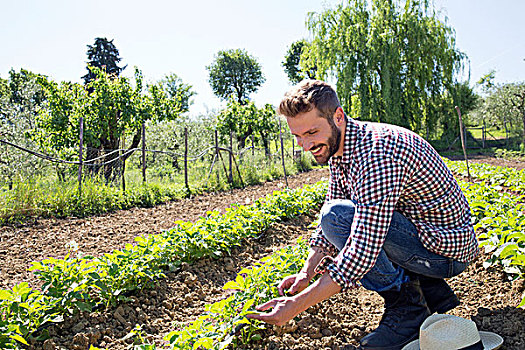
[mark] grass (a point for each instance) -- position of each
(46, 196)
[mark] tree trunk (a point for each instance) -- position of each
(266, 145)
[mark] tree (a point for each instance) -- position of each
(395, 55)
(245, 120)
(103, 54)
(111, 108)
(292, 62)
(20, 99)
(235, 73)
(177, 91)
(505, 106)
(461, 95)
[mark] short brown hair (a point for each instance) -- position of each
(307, 95)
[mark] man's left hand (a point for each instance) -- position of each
(283, 310)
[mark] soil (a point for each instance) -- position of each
(488, 296)
(35, 241)
(492, 161)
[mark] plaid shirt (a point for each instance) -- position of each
(385, 168)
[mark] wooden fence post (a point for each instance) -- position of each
(217, 154)
(143, 153)
(282, 153)
(186, 160)
(123, 164)
(293, 148)
(484, 136)
(230, 176)
(463, 141)
(81, 122)
(253, 146)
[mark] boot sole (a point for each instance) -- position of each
(391, 347)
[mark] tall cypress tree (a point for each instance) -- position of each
(103, 54)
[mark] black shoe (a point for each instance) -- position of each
(438, 294)
(405, 311)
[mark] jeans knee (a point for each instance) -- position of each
(336, 215)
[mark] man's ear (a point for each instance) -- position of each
(339, 117)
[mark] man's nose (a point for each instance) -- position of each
(305, 144)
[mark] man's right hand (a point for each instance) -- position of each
(294, 284)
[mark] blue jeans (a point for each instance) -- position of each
(402, 250)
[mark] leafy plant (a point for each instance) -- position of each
(224, 322)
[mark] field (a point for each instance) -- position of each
(489, 295)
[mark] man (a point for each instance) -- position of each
(394, 221)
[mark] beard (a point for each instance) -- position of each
(331, 145)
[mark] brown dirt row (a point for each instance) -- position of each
(21, 245)
(488, 297)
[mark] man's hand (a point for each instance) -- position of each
(294, 283)
(283, 310)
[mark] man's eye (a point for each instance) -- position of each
(311, 132)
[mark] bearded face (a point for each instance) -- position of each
(327, 149)
(318, 135)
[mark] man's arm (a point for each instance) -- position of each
(296, 283)
(286, 308)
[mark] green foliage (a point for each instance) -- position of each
(234, 73)
(28, 199)
(103, 54)
(224, 322)
(78, 283)
(245, 119)
(21, 97)
(458, 94)
(496, 176)
(498, 217)
(178, 92)
(111, 109)
(292, 62)
(510, 154)
(396, 56)
(504, 106)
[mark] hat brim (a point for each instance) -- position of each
(491, 341)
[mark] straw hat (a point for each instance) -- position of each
(440, 332)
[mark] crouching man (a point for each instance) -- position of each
(394, 220)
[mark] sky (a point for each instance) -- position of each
(162, 37)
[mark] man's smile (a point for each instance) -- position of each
(316, 150)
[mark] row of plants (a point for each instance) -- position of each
(81, 283)
(510, 178)
(498, 217)
(61, 199)
(225, 322)
(499, 220)
(510, 154)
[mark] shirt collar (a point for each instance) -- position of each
(350, 139)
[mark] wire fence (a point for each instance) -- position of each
(205, 152)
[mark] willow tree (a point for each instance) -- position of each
(396, 56)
